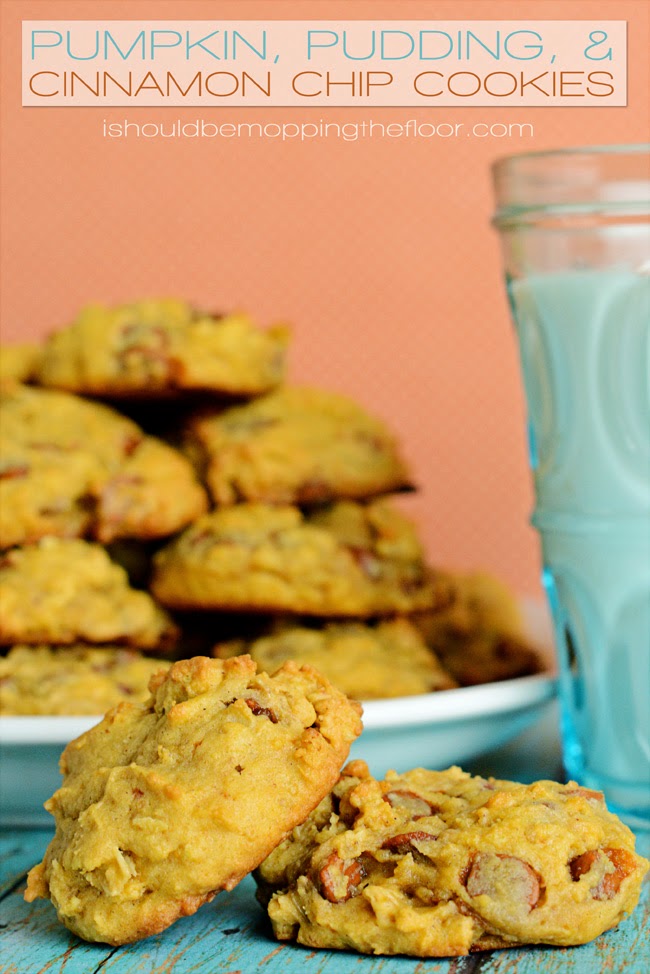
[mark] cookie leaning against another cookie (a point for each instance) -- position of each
(346, 560)
(389, 659)
(68, 591)
(159, 347)
(295, 446)
(439, 863)
(163, 804)
(73, 680)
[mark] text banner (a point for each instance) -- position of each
(324, 63)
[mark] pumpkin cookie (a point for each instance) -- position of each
(295, 446)
(75, 680)
(157, 347)
(67, 591)
(70, 467)
(168, 802)
(19, 363)
(389, 659)
(477, 631)
(438, 863)
(346, 560)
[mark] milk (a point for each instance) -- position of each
(584, 338)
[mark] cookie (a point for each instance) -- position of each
(165, 803)
(389, 659)
(76, 680)
(295, 446)
(477, 630)
(19, 363)
(159, 347)
(70, 467)
(67, 591)
(439, 863)
(345, 560)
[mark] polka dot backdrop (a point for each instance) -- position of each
(378, 252)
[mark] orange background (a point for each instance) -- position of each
(379, 252)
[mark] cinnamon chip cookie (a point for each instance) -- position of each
(165, 803)
(295, 446)
(438, 864)
(345, 560)
(68, 591)
(158, 347)
(70, 467)
(75, 680)
(477, 630)
(19, 363)
(389, 659)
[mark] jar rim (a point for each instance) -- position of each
(609, 180)
(614, 149)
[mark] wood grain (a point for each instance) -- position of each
(231, 936)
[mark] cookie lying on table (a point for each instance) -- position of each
(437, 864)
(165, 803)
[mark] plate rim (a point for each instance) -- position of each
(441, 707)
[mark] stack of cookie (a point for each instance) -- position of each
(270, 504)
(303, 533)
(73, 469)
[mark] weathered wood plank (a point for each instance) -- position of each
(34, 942)
(231, 935)
(18, 853)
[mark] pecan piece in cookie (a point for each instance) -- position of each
(9, 471)
(491, 875)
(595, 796)
(367, 562)
(414, 804)
(257, 709)
(403, 843)
(609, 883)
(338, 879)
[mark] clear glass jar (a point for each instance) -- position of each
(575, 231)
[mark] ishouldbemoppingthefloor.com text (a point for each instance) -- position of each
(200, 128)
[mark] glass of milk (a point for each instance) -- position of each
(575, 231)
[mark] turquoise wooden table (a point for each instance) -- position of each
(231, 936)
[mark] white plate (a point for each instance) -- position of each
(432, 730)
